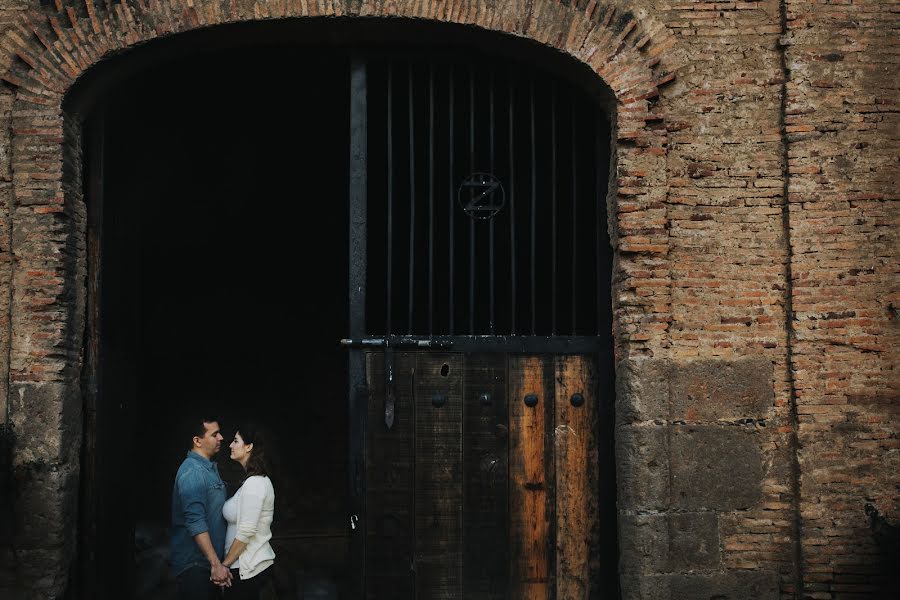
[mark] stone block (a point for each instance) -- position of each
(45, 505)
(727, 585)
(693, 541)
(730, 585)
(642, 390)
(715, 467)
(637, 585)
(666, 543)
(710, 390)
(45, 571)
(47, 422)
(642, 465)
(695, 390)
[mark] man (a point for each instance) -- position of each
(198, 528)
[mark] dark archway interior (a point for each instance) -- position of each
(225, 278)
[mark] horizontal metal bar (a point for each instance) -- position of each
(392, 342)
(531, 344)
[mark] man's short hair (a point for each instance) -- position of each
(195, 425)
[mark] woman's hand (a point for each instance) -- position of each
(220, 575)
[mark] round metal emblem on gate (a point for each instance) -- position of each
(481, 196)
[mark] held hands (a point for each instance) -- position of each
(220, 575)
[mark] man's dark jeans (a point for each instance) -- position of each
(194, 584)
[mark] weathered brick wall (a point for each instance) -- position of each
(9, 11)
(725, 110)
(6, 558)
(725, 272)
(843, 124)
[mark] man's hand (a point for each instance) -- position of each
(220, 575)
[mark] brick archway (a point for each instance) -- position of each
(47, 53)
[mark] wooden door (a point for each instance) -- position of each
(485, 485)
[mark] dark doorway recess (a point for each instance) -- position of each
(235, 197)
(223, 278)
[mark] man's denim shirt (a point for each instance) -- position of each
(197, 499)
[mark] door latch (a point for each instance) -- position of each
(389, 387)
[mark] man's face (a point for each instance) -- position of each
(209, 444)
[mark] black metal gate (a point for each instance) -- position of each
(484, 200)
(477, 239)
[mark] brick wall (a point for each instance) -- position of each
(843, 145)
(755, 180)
(729, 251)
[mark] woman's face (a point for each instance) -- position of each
(239, 450)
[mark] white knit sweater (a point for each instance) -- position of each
(249, 514)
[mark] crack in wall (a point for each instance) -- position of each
(790, 334)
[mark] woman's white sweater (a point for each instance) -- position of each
(249, 514)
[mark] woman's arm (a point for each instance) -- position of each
(237, 546)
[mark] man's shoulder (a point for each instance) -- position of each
(188, 467)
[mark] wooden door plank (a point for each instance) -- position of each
(485, 460)
(389, 482)
(529, 522)
(576, 477)
(438, 476)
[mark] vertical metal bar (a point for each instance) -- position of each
(600, 203)
(358, 183)
(553, 184)
(357, 394)
(512, 206)
(390, 199)
(412, 203)
(431, 199)
(471, 221)
(533, 239)
(451, 200)
(574, 222)
(491, 225)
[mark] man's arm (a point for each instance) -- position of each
(218, 572)
(193, 494)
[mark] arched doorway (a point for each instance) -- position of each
(542, 106)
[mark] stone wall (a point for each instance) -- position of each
(754, 214)
(693, 476)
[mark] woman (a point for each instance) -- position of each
(249, 515)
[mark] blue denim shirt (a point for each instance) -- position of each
(197, 499)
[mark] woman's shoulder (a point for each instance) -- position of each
(258, 482)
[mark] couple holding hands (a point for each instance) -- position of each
(221, 546)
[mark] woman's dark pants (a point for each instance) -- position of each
(246, 589)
